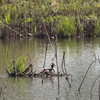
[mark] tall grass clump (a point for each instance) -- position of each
(17, 67)
(65, 26)
(97, 27)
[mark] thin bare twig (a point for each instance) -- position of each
(48, 38)
(47, 34)
(93, 86)
(95, 55)
(86, 74)
(57, 65)
(99, 90)
(11, 29)
(62, 63)
(99, 59)
(65, 66)
(68, 82)
(45, 55)
(2, 93)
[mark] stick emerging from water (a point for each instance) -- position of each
(62, 63)
(99, 90)
(2, 93)
(45, 55)
(93, 86)
(86, 74)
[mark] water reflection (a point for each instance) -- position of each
(79, 55)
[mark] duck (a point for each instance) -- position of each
(48, 72)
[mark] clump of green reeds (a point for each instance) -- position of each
(17, 67)
(97, 27)
(66, 26)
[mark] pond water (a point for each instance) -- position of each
(79, 55)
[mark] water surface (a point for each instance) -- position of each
(79, 55)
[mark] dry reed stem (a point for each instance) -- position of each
(93, 86)
(99, 59)
(65, 66)
(99, 90)
(68, 83)
(95, 55)
(55, 52)
(86, 74)
(45, 55)
(48, 38)
(2, 93)
(62, 63)
(57, 67)
(47, 33)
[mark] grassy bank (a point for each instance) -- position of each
(70, 18)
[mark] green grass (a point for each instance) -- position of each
(28, 16)
(97, 29)
(19, 64)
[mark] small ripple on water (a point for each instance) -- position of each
(3, 76)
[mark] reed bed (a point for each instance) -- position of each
(71, 18)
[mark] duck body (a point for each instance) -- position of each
(48, 72)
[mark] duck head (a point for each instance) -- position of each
(52, 65)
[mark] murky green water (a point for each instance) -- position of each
(79, 55)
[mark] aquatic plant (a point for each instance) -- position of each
(66, 26)
(17, 67)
